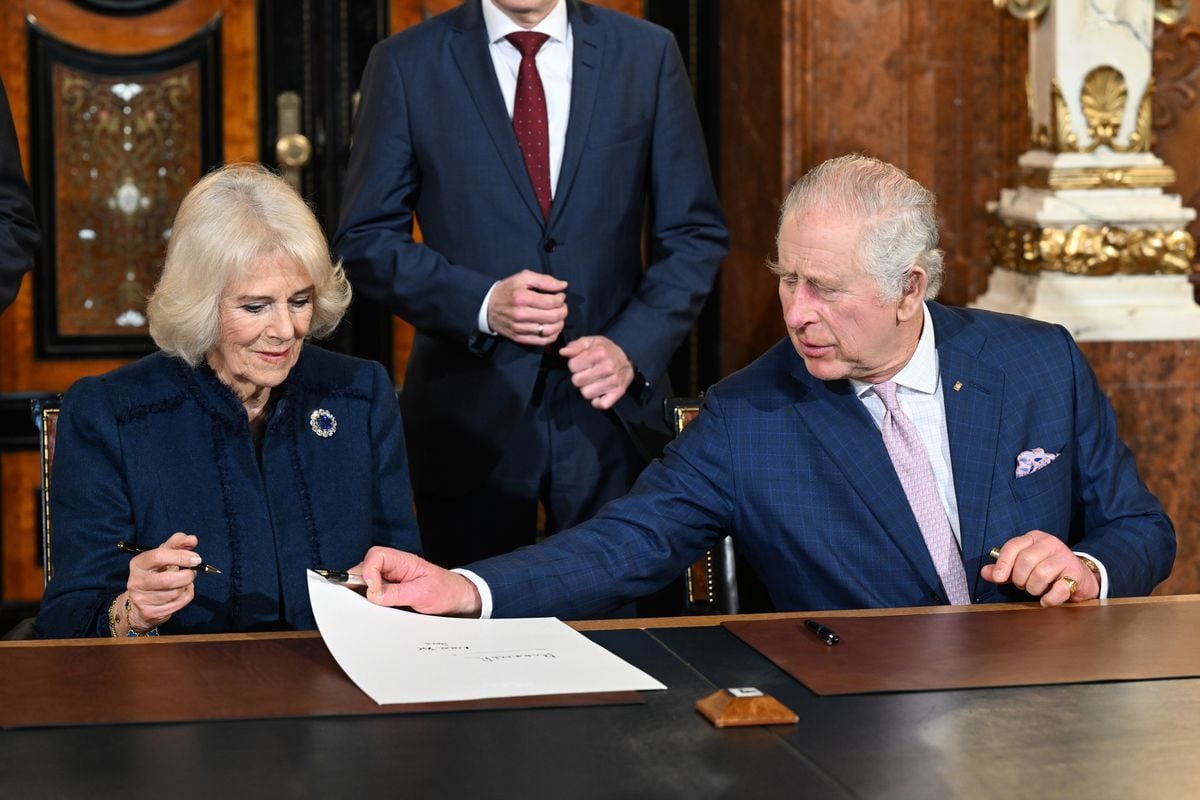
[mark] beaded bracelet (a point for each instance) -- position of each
(113, 619)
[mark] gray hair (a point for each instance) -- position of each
(898, 216)
(232, 219)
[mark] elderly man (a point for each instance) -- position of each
(881, 457)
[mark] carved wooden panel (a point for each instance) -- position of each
(1176, 115)
(116, 143)
(110, 39)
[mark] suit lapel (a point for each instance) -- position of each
(973, 425)
(840, 422)
(470, 52)
(587, 36)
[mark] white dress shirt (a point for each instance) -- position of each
(919, 394)
(554, 67)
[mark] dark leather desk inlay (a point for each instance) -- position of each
(922, 652)
(173, 681)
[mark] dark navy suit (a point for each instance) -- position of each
(797, 471)
(18, 228)
(433, 140)
(157, 447)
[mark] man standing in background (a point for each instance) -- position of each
(18, 227)
(533, 140)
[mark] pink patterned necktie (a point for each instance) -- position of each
(916, 476)
(529, 116)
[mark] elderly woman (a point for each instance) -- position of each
(237, 442)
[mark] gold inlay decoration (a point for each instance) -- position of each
(1103, 100)
(126, 149)
(1084, 250)
(1065, 140)
(1039, 136)
(1098, 177)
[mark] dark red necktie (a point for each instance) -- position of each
(529, 116)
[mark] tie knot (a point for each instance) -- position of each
(886, 392)
(527, 42)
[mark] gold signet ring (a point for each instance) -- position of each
(1072, 584)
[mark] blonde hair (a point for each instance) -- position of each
(232, 219)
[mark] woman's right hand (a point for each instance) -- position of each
(160, 582)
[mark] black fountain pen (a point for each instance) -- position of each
(338, 576)
(825, 634)
(129, 547)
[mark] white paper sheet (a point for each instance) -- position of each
(396, 656)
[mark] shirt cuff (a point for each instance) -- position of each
(1103, 576)
(481, 319)
(485, 592)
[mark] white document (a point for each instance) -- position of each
(397, 656)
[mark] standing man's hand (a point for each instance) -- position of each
(529, 308)
(1044, 567)
(599, 369)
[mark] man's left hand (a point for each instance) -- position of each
(599, 369)
(1044, 567)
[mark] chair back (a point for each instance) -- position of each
(45, 417)
(710, 583)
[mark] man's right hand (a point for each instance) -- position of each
(529, 308)
(396, 578)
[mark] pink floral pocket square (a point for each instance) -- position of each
(1030, 461)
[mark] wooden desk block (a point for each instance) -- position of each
(728, 708)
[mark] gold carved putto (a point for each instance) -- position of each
(1084, 250)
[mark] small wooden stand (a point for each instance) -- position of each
(744, 706)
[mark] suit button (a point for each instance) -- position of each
(549, 245)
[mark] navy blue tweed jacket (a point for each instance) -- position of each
(157, 447)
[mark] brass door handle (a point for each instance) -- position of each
(293, 150)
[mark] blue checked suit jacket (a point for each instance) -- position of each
(796, 470)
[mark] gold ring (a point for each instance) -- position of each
(541, 328)
(1072, 584)
(994, 553)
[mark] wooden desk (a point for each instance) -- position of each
(1120, 740)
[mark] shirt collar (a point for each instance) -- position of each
(498, 25)
(921, 372)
